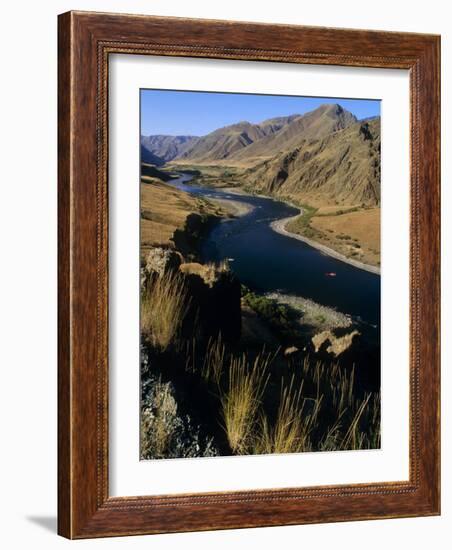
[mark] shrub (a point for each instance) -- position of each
(301, 224)
(280, 316)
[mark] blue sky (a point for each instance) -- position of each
(198, 113)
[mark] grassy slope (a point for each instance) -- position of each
(165, 209)
(341, 169)
(363, 228)
(353, 232)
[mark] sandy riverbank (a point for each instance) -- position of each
(280, 227)
(315, 315)
(232, 207)
(239, 209)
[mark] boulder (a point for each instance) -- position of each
(335, 345)
(166, 431)
(161, 260)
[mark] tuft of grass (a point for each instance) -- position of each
(346, 422)
(318, 409)
(364, 429)
(292, 427)
(163, 308)
(241, 400)
(214, 360)
(353, 437)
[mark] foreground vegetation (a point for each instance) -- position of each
(241, 400)
(163, 308)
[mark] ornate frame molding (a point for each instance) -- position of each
(85, 42)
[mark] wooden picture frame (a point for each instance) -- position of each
(86, 40)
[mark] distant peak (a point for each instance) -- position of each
(330, 108)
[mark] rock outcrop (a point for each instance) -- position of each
(335, 345)
(213, 294)
(215, 298)
(165, 431)
(189, 238)
(160, 260)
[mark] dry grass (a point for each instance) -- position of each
(363, 228)
(323, 414)
(163, 210)
(214, 360)
(349, 423)
(291, 429)
(367, 410)
(207, 361)
(318, 408)
(163, 308)
(242, 398)
(336, 209)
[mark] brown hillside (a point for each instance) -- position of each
(341, 168)
(245, 143)
(363, 228)
(316, 124)
(164, 147)
(224, 142)
(165, 209)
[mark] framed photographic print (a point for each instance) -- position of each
(248, 275)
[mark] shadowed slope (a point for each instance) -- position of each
(341, 168)
(165, 147)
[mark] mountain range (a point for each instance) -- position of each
(325, 156)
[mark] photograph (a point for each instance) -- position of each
(259, 274)
(199, 350)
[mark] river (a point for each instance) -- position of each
(267, 261)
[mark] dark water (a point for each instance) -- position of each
(267, 261)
